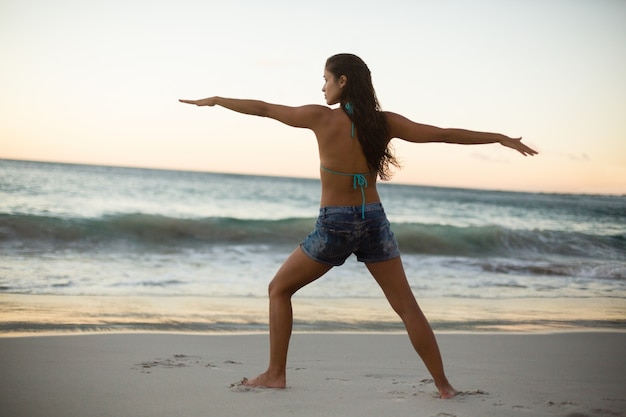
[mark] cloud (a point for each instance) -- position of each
(490, 158)
(582, 157)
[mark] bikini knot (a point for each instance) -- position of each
(360, 180)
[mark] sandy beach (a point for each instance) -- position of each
(330, 374)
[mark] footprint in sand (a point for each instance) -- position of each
(177, 361)
(475, 392)
(337, 379)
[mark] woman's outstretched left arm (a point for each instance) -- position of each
(403, 128)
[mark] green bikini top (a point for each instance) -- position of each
(358, 179)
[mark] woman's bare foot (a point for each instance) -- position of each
(447, 391)
(266, 381)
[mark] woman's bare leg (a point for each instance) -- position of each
(391, 277)
(297, 271)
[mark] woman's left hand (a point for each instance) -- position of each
(518, 146)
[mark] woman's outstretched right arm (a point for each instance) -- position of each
(309, 116)
(253, 107)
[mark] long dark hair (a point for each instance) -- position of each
(365, 112)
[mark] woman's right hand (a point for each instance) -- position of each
(209, 101)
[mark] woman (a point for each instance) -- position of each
(354, 151)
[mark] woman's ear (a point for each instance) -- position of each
(342, 80)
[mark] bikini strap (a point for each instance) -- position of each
(356, 179)
(350, 110)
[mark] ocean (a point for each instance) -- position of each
(97, 248)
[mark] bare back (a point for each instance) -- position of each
(340, 152)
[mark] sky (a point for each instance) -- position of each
(98, 82)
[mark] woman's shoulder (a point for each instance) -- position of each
(315, 112)
(392, 117)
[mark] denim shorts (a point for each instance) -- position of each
(342, 231)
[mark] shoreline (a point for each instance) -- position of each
(545, 332)
(498, 374)
(63, 314)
